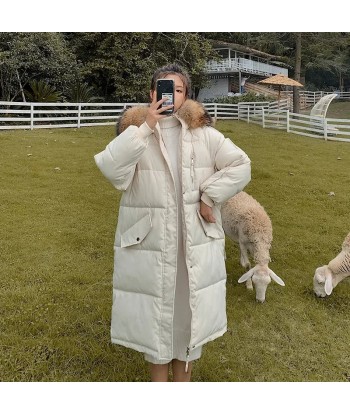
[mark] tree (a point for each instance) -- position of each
(328, 53)
(28, 56)
(297, 70)
(120, 65)
(190, 50)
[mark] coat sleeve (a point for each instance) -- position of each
(118, 161)
(233, 173)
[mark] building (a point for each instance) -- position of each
(238, 64)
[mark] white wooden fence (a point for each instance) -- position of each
(277, 115)
(309, 98)
(26, 115)
(22, 115)
(310, 126)
(243, 110)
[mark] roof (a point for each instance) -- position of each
(280, 79)
(245, 49)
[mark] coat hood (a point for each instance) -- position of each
(191, 112)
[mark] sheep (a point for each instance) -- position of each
(329, 276)
(245, 221)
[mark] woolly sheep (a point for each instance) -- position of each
(329, 276)
(245, 221)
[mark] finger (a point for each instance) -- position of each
(155, 104)
(210, 218)
(161, 109)
(160, 102)
(154, 99)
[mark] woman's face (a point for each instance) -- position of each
(180, 91)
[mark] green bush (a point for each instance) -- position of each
(82, 92)
(248, 97)
(41, 91)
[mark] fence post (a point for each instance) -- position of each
(239, 111)
(263, 117)
(287, 121)
(79, 113)
(31, 116)
(248, 114)
(215, 111)
(325, 129)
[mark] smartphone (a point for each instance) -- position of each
(166, 89)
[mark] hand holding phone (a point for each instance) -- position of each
(166, 90)
(157, 110)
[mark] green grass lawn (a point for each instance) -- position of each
(339, 109)
(58, 216)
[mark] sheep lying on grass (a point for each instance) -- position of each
(329, 276)
(245, 221)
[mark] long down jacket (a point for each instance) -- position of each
(145, 248)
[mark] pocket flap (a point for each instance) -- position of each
(211, 229)
(137, 233)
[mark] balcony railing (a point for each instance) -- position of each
(245, 65)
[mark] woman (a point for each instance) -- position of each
(169, 282)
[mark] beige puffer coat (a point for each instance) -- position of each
(145, 246)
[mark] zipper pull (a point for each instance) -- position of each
(187, 357)
(192, 170)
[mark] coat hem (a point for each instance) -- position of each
(210, 338)
(134, 346)
(153, 353)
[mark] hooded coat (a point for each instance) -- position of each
(213, 169)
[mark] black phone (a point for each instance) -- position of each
(166, 89)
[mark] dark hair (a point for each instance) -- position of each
(175, 69)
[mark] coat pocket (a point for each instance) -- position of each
(137, 233)
(213, 230)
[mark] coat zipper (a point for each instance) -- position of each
(192, 170)
(185, 235)
(168, 162)
(192, 164)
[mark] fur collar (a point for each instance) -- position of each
(191, 112)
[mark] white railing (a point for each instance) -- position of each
(21, 115)
(277, 115)
(246, 65)
(269, 115)
(243, 110)
(26, 115)
(249, 65)
(309, 98)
